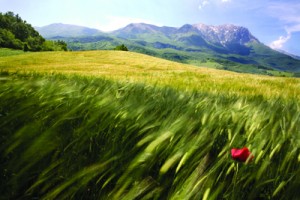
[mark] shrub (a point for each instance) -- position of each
(121, 47)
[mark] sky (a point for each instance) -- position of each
(275, 23)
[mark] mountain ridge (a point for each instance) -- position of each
(66, 30)
(69, 30)
(217, 34)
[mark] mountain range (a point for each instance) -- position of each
(227, 46)
(66, 30)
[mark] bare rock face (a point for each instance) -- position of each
(225, 34)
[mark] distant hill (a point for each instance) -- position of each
(15, 33)
(230, 47)
(66, 30)
(289, 54)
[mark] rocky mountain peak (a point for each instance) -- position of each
(225, 34)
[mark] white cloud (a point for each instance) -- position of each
(278, 44)
(294, 28)
(203, 4)
(289, 15)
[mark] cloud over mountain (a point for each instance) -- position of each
(289, 16)
(278, 44)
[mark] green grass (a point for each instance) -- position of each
(71, 133)
(8, 52)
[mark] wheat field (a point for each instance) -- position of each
(121, 125)
(134, 67)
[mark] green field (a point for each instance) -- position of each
(135, 67)
(122, 125)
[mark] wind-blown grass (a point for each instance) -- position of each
(76, 137)
(134, 67)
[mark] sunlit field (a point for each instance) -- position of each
(121, 125)
(134, 67)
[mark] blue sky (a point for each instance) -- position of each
(274, 22)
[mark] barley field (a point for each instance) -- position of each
(121, 125)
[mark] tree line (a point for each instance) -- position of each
(16, 33)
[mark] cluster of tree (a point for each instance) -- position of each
(16, 33)
(121, 47)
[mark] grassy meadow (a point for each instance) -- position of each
(122, 125)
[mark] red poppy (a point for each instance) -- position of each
(241, 155)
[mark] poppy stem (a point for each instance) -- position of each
(235, 175)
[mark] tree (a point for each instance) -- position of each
(26, 48)
(21, 31)
(121, 47)
(8, 40)
(62, 45)
(50, 45)
(16, 33)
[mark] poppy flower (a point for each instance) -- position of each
(241, 155)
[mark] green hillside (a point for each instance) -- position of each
(122, 125)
